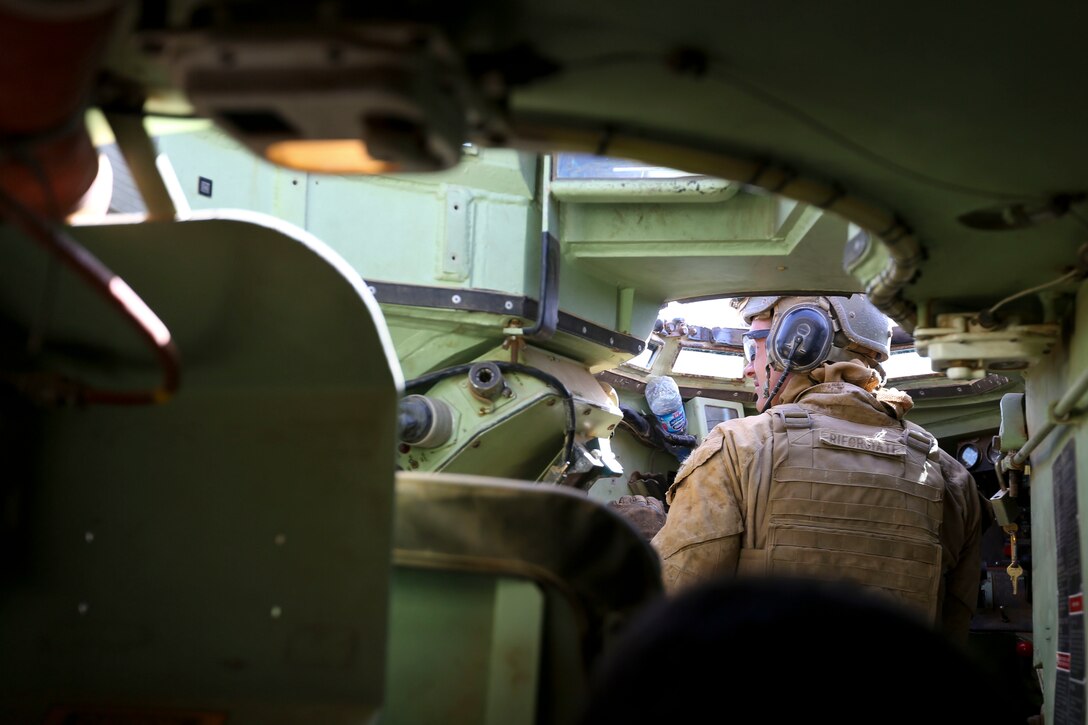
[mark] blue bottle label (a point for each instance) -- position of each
(675, 422)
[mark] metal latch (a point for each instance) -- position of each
(1006, 510)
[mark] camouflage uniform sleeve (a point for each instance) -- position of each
(961, 533)
(702, 534)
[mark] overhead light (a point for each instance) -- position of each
(368, 100)
(342, 156)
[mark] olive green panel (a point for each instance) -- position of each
(950, 410)
(429, 338)
(597, 299)
(750, 243)
(609, 488)
(520, 445)
(463, 648)
(472, 226)
(746, 222)
(1045, 384)
(960, 421)
(423, 232)
(227, 551)
(515, 437)
(240, 180)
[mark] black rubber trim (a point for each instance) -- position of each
(962, 390)
(546, 326)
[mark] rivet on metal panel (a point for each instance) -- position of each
(280, 540)
(611, 341)
(88, 537)
(456, 299)
(372, 289)
(276, 612)
(584, 330)
(640, 347)
(508, 305)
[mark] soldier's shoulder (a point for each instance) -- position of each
(718, 438)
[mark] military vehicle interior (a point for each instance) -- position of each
(326, 328)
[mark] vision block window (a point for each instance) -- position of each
(709, 364)
(716, 414)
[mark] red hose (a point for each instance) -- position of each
(117, 293)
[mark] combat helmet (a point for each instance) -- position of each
(809, 330)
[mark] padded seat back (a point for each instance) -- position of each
(505, 595)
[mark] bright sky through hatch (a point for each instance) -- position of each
(719, 313)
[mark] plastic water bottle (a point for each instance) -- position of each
(664, 398)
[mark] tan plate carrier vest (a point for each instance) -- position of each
(854, 501)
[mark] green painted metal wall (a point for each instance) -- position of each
(1045, 384)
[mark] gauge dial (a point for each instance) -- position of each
(969, 455)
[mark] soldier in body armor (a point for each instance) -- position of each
(829, 482)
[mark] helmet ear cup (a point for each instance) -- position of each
(801, 337)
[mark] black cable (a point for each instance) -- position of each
(508, 367)
(635, 421)
(785, 373)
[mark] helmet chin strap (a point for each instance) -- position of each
(777, 387)
(785, 373)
